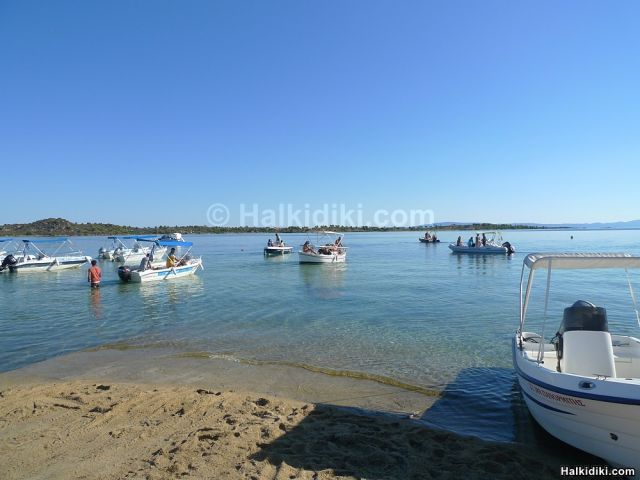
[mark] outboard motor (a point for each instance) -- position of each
(124, 273)
(581, 316)
(8, 262)
(509, 247)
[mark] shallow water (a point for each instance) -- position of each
(400, 309)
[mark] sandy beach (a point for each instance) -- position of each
(92, 415)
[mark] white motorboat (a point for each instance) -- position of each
(34, 259)
(185, 265)
(124, 253)
(277, 248)
(492, 244)
(328, 252)
(583, 385)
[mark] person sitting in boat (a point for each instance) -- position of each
(172, 261)
(459, 241)
(306, 248)
(269, 243)
(427, 236)
(434, 239)
(484, 240)
(470, 243)
(145, 263)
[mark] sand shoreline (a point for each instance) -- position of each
(139, 414)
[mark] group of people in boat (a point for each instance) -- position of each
(326, 249)
(471, 243)
(429, 237)
(277, 243)
(172, 261)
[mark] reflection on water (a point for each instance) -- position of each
(324, 281)
(96, 306)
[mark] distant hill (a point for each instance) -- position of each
(62, 227)
(632, 224)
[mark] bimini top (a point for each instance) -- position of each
(174, 243)
(128, 237)
(167, 243)
(579, 260)
(328, 232)
(47, 240)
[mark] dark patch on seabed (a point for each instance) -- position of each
(487, 403)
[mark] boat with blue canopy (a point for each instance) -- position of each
(124, 252)
(175, 266)
(34, 258)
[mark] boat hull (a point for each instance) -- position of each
(272, 251)
(424, 240)
(159, 274)
(307, 257)
(49, 264)
(488, 249)
(603, 420)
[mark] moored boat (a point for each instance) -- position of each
(277, 248)
(429, 238)
(583, 385)
(34, 259)
(184, 266)
(332, 252)
(489, 243)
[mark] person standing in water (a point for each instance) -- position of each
(94, 274)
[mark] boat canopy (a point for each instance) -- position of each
(128, 237)
(47, 240)
(576, 260)
(166, 243)
(174, 243)
(328, 232)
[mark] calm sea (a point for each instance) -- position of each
(400, 309)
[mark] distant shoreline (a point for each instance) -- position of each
(63, 227)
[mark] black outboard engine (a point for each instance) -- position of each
(124, 273)
(8, 262)
(581, 315)
(509, 247)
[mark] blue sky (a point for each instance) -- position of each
(148, 112)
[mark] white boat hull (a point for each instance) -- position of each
(308, 257)
(278, 250)
(487, 249)
(154, 275)
(48, 264)
(603, 420)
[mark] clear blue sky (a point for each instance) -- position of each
(147, 112)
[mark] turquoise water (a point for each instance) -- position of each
(401, 309)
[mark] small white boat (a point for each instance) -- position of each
(123, 253)
(277, 248)
(34, 259)
(583, 385)
(493, 244)
(185, 265)
(328, 252)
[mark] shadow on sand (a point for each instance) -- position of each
(365, 444)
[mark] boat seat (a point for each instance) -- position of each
(588, 353)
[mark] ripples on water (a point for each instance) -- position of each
(397, 308)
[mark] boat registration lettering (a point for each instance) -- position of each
(556, 396)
